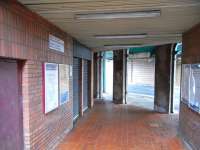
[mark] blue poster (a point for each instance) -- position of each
(64, 83)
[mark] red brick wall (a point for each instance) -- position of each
(24, 35)
(189, 126)
(190, 120)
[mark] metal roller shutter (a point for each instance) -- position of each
(141, 71)
(76, 86)
(85, 85)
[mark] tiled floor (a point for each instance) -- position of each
(123, 127)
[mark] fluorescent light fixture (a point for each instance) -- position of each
(137, 36)
(119, 15)
(122, 46)
(165, 35)
(121, 36)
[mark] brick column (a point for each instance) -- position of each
(99, 70)
(162, 78)
(95, 88)
(118, 76)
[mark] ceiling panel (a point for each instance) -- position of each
(177, 16)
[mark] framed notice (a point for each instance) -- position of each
(50, 86)
(56, 44)
(63, 83)
(191, 86)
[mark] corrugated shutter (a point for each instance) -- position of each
(141, 71)
(85, 85)
(76, 86)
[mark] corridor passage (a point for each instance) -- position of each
(123, 127)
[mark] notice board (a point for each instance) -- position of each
(50, 87)
(190, 92)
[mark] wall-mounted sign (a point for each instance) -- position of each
(64, 83)
(56, 44)
(50, 79)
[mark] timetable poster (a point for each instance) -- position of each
(63, 83)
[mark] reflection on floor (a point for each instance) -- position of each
(141, 95)
(123, 127)
(107, 96)
(139, 100)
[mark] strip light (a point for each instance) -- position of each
(119, 15)
(121, 36)
(122, 46)
(136, 36)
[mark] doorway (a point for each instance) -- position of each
(76, 87)
(85, 84)
(11, 118)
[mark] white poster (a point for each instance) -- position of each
(56, 44)
(51, 86)
(64, 83)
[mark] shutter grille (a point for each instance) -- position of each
(76, 86)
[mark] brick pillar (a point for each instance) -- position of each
(99, 70)
(162, 78)
(95, 88)
(118, 74)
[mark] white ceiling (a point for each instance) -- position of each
(177, 16)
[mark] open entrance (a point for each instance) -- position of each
(11, 123)
(140, 77)
(107, 75)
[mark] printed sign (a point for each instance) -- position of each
(64, 83)
(56, 44)
(50, 86)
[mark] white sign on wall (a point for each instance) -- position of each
(51, 87)
(56, 44)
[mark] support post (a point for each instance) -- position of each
(162, 78)
(118, 76)
(99, 68)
